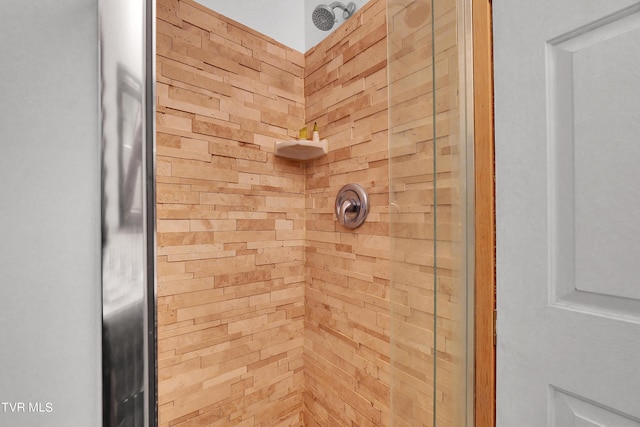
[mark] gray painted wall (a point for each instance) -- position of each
(50, 303)
(287, 21)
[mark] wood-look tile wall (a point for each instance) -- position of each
(270, 312)
(231, 228)
(346, 355)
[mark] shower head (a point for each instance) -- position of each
(323, 16)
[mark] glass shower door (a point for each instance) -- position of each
(430, 286)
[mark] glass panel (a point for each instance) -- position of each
(451, 281)
(428, 156)
(412, 166)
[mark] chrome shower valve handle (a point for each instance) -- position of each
(352, 206)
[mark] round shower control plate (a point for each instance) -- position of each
(352, 205)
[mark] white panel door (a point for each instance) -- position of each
(567, 105)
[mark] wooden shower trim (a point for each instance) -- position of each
(485, 258)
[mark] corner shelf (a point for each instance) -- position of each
(301, 149)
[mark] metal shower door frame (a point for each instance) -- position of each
(127, 111)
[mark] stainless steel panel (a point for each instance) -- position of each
(128, 235)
